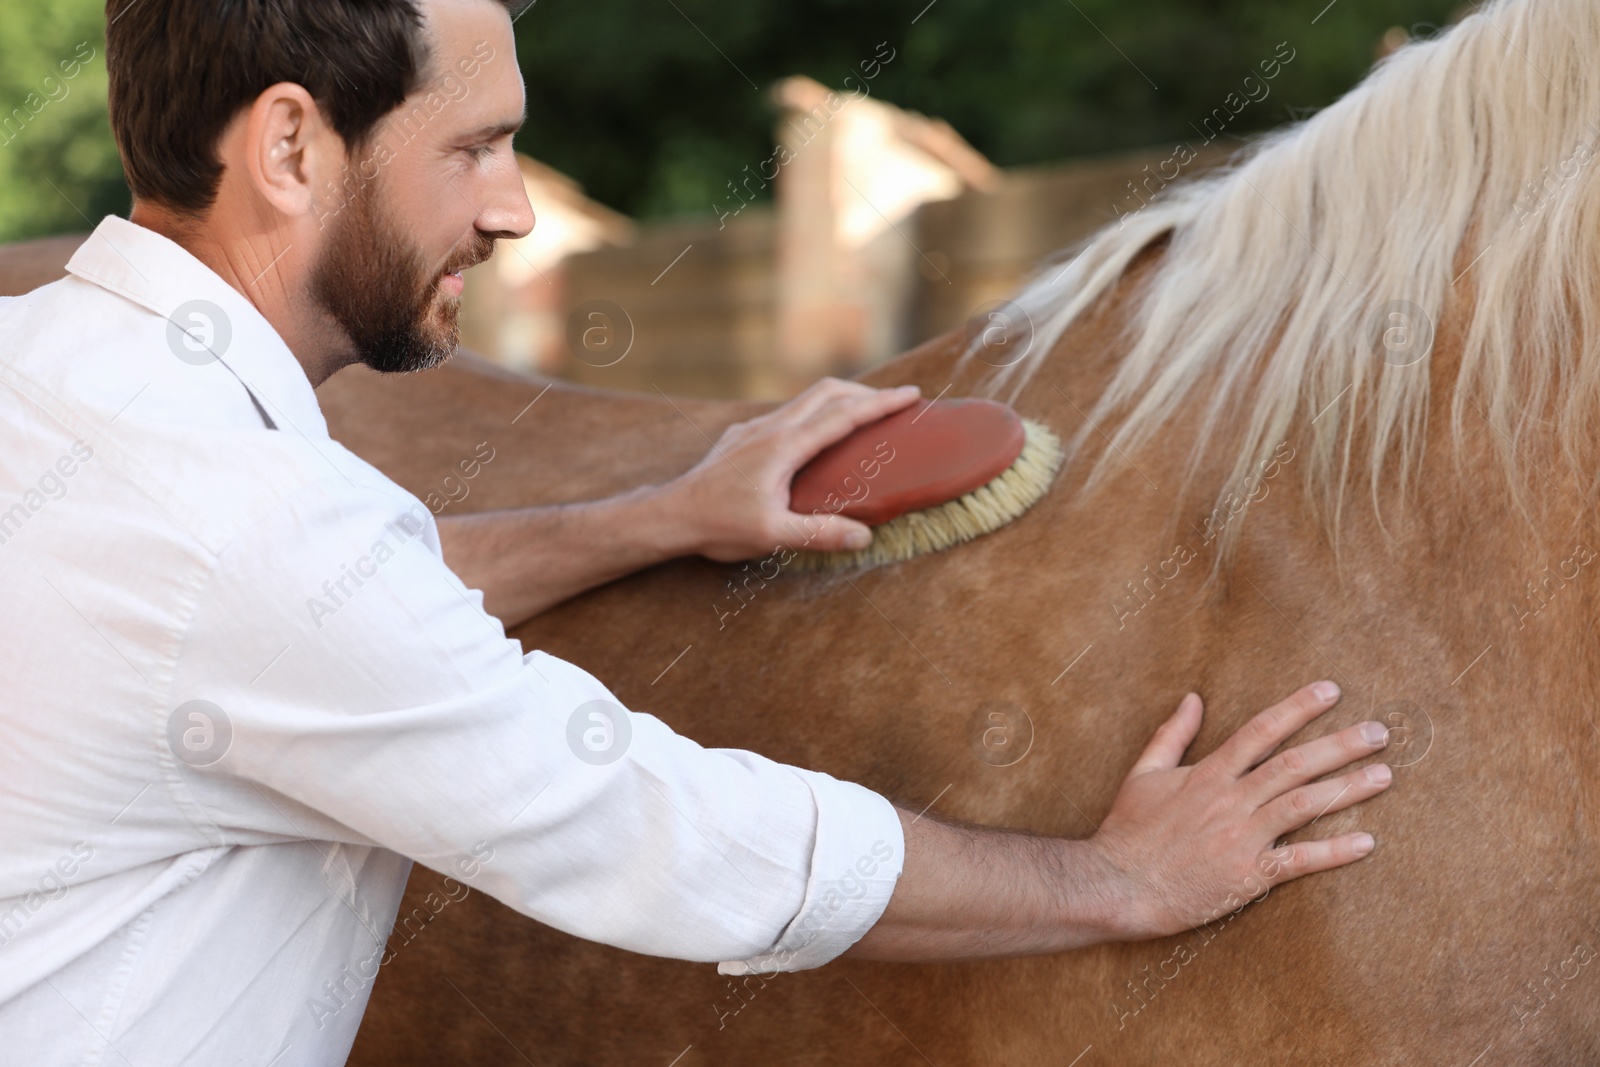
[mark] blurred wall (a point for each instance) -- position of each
(983, 245)
(708, 325)
(688, 309)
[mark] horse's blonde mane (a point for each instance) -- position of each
(1459, 176)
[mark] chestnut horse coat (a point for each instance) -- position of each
(1469, 932)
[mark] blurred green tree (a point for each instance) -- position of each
(654, 105)
(59, 170)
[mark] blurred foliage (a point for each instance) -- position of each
(58, 165)
(633, 99)
(654, 105)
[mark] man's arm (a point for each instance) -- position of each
(1181, 846)
(732, 505)
(529, 559)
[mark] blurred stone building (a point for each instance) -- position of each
(885, 228)
(514, 308)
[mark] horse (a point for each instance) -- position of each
(1330, 414)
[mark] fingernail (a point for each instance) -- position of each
(909, 389)
(1379, 773)
(1364, 844)
(1326, 690)
(856, 540)
(1374, 733)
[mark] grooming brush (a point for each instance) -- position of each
(928, 477)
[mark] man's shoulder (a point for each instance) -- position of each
(220, 483)
(86, 344)
(87, 366)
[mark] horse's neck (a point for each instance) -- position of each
(552, 442)
(555, 443)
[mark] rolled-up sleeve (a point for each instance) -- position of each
(853, 868)
(367, 698)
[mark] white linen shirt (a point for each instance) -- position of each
(242, 692)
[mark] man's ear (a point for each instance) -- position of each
(291, 156)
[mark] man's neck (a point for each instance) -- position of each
(248, 262)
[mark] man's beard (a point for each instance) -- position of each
(377, 286)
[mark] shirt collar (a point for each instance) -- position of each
(201, 309)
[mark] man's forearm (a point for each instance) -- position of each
(530, 559)
(975, 892)
(732, 505)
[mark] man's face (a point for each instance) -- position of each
(399, 311)
(427, 196)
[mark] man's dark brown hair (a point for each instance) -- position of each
(181, 69)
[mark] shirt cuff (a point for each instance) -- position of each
(856, 860)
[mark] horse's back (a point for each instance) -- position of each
(1470, 928)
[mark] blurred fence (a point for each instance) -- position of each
(691, 309)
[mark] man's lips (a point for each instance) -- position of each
(450, 282)
(457, 268)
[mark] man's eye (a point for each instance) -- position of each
(480, 152)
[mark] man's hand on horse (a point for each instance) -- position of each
(732, 505)
(1180, 847)
(736, 499)
(1189, 845)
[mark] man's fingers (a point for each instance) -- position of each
(836, 418)
(816, 397)
(1308, 857)
(831, 392)
(1310, 761)
(1256, 739)
(1172, 738)
(837, 533)
(1310, 802)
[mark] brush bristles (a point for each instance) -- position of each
(985, 509)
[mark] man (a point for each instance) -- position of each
(246, 688)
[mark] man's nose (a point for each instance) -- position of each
(509, 215)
